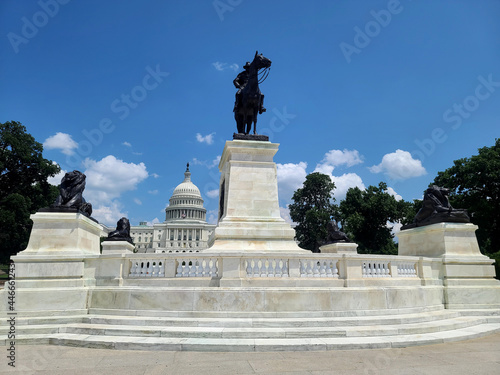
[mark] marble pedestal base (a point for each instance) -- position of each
(63, 233)
(468, 275)
(248, 201)
(340, 248)
(117, 247)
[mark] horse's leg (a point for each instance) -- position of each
(255, 122)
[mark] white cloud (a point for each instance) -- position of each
(106, 180)
(155, 175)
(127, 144)
(395, 227)
(399, 165)
(335, 158)
(61, 141)
(208, 164)
(137, 201)
(213, 193)
(392, 192)
(110, 177)
(344, 182)
(285, 214)
(212, 216)
(220, 66)
(290, 178)
(56, 180)
(154, 221)
(153, 192)
(108, 214)
(208, 139)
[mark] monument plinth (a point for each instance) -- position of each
(249, 213)
(468, 276)
(56, 233)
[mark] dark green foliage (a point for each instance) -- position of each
(312, 209)
(23, 186)
(365, 215)
(474, 184)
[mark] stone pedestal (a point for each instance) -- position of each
(117, 247)
(468, 275)
(339, 248)
(248, 201)
(56, 233)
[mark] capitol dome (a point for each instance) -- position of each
(186, 202)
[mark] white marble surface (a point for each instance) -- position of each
(340, 248)
(61, 232)
(251, 219)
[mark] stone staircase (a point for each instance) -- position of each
(226, 331)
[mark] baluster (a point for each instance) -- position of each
(322, 269)
(197, 269)
(269, 268)
(302, 268)
(133, 269)
(142, 268)
(161, 269)
(255, 269)
(335, 270)
(249, 267)
(215, 268)
(154, 270)
(284, 269)
(329, 269)
(191, 268)
(315, 265)
(310, 268)
(179, 268)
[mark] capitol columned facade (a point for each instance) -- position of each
(185, 228)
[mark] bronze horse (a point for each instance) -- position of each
(249, 99)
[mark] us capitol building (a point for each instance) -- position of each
(185, 228)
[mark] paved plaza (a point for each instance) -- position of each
(477, 356)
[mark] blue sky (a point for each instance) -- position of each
(366, 91)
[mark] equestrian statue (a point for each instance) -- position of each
(249, 100)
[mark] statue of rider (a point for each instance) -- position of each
(240, 82)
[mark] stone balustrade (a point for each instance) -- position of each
(297, 266)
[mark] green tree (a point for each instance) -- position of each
(23, 186)
(474, 184)
(312, 208)
(365, 215)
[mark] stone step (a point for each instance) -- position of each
(93, 329)
(262, 314)
(225, 322)
(258, 344)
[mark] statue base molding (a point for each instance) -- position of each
(339, 248)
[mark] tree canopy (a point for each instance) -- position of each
(23, 186)
(474, 184)
(366, 217)
(312, 209)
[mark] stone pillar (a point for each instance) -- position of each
(468, 276)
(248, 201)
